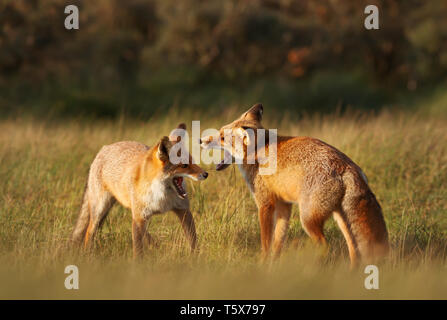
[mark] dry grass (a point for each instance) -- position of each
(43, 171)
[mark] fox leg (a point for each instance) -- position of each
(187, 221)
(82, 222)
(150, 241)
(312, 220)
(99, 207)
(266, 217)
(138, 234)
(282, 211)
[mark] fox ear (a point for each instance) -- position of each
(178, 133)
(254, 113)
(246, 134)
(163, 149)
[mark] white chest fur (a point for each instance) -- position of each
(160, 198)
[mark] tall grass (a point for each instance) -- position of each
(44, 168)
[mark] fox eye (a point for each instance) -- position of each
(184, 166)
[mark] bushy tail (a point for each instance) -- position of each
(364, 220)
(83, 220)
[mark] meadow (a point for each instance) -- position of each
(43, 170)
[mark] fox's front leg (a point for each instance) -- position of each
(187, 221)
(150, 241)
(138, 233)
(266, 216)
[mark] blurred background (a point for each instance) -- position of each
(138, 57)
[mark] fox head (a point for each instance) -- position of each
(173, 163)
(238, 138)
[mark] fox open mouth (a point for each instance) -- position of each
(178, 185)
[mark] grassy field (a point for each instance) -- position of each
(43, 170)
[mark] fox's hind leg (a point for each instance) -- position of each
(312, 220)
(82, 222)
(317, 206)
(99, 204)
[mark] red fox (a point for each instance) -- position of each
(142, 179)
(319, 178)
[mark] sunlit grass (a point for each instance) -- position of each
(44, 168)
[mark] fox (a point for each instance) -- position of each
(316, 176)
(142, 179)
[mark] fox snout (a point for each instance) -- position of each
(196, 173)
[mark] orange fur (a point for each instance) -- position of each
(142, 179)
(319, 178)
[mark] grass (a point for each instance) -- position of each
(43, 170)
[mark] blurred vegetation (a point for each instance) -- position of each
(139, 56)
